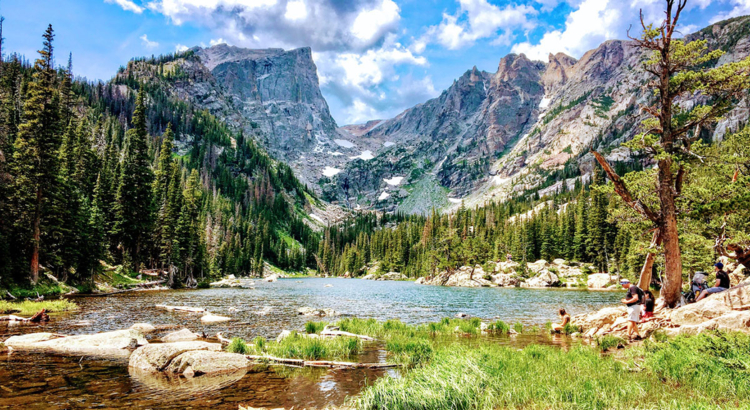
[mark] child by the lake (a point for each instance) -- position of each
(564, 318)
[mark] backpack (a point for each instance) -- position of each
(641, 295)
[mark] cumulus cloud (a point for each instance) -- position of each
(148, 43)
(180, 48)
(595, 21)
(127, 5)
(477, 19)
(739, 8)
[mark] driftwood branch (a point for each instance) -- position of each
(320, 363)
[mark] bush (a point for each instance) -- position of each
(518, 327)
(238, 345)
(204, 284)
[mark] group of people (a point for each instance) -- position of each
(640, 303)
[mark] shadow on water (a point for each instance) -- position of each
(34, 381)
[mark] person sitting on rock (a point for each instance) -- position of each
(722, 282)
(565, 318)
(648, 305)
(633, 301)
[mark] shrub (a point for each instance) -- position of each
(238, 345)
(204, 284)
(518, 327)
(499, 327)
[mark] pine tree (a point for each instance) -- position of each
(133, 202)
(36, 150)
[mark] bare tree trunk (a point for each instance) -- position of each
(37, 234)
(648, 266)
(672, 256)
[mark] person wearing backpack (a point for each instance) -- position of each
(633, 300)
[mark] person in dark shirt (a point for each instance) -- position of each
(648, 305)
(633, 301)
(722, 282)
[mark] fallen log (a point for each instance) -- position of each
(338, 333)
(320, 363)
(187, 309)
(10, 296)
(223, 339)
(40, 316)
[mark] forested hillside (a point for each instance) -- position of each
(122, 172)
(588, 224)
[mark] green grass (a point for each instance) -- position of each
(314, 327)
(703, 372)
(29, 307)
(409, 351)
(518, 327)
(238, 345)
(40, 289)
(610, 342)
(500, 327)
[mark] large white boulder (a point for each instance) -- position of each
(505, 279)
(157, 356)
(182, 335)
(212, 318)
(198, 362)
(538, 266)
(544, 280)
(116, 343)
(600, 280)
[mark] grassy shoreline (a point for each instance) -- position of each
(30, 307)
(707, 371)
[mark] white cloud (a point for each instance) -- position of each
(295, 10)
(180, 48)
(127, 5)
(148, 43)
(217, 41)
(740, 8)
(369, 24)
(478, 19)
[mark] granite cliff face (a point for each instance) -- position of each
(529, 124)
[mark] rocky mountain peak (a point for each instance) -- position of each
(558, 71)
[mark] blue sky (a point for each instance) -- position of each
(375, 58)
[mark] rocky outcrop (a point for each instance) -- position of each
(157, 357)
(385, 276)
(118, 343)
(601, 281)
(232, 282)
(545, 279)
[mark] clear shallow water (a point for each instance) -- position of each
(51, 382)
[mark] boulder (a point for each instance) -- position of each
(198, 362)
(567, 271)
(3, 348)
(308, 311)
(505, 279)
(421, 281)
(559, 262)
(393, 276)
(144, 328)
(108, 344)
(283, 335)
(462, 315)
(272, 278)
(599, 319)
(212, 318)
(182, 335)
(157, 356)
(697, 313)
(538, 266)
(737, 275)
(600, 280)
(544, 280)
(173, 385)
(506, 267)
(732, 321)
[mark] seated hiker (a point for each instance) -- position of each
(648, 305)
(633, 301)
(565, 318)
(722, 282)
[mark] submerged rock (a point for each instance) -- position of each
(212, 318)
(144, 328)
(115, 343)
(198, 362)
(308, 311)
(156, 357)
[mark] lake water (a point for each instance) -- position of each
(52, 382)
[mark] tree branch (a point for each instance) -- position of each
(622, 190)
